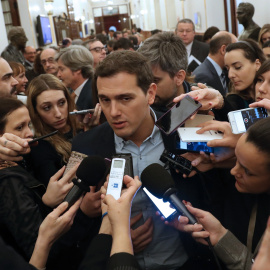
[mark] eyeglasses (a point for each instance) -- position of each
(99, 49)
(49, 60)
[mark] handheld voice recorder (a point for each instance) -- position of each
(116, 177)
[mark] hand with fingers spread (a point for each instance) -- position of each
(58, 188)
(119, 214)
(209, 98)
(53, 226)
(12, 147)
(91, 204)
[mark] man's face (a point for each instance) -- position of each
(126, 106)
(7, 82)
(186, 32)
(98, 52)
(167, 88)
(47, 61)
(30, 54)
(67, 76)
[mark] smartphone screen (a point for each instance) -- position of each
(178, 114)
(194, 146)
(241, 120)
(163, 207)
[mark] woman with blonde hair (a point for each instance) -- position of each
(49, 104)
(264, 34)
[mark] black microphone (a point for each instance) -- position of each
(160, 183)
(89, 173)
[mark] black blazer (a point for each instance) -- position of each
(100, 141)
(85, 98)
(200, 51)
(206, 73)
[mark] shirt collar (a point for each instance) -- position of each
(153, 138)
(188, 48)
(216, 66)
(79, 89)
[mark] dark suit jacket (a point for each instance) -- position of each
(100, 141)
(85, 98)
(199, 50)
(206, 73)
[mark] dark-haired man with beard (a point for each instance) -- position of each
(7, 82)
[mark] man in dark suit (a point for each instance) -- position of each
(197, 51)
(75, 69)
(211, 71)
(125, 89)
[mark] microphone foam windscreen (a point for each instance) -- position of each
(156, 179)
(91, 170)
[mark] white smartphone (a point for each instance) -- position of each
(241, 120)
(163, 207)
(189, 135)
(116, 177)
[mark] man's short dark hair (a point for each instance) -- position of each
(167, 51)
(216, 42)
(123, 43)
(130, 62)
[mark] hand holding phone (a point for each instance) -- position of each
(178, 114)
(241, 120)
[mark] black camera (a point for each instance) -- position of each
(177, 162)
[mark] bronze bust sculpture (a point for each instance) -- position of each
(245, 12)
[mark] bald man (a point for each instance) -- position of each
(211, 71)
(29, 54)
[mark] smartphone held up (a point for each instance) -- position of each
(178, 114)
(241, 120)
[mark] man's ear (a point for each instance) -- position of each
(180, 77)
(151, 93)
(222, 50)
(77, 72)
